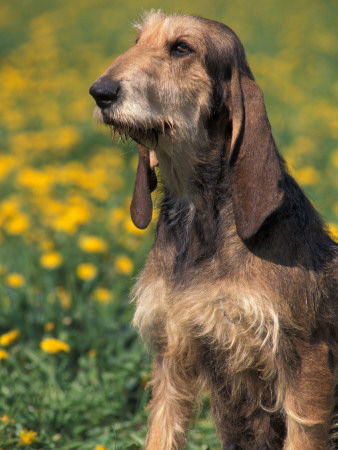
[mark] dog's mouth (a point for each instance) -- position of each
(145, 135)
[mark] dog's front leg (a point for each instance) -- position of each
(174, 390)
(308, 402)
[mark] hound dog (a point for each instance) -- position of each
(238, 296)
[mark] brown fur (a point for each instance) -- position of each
(239, 292)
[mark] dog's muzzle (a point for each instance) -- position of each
(105, 92)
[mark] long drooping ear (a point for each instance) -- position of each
(255, 173)
(141, 207)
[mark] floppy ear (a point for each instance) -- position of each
(141, 207)
(255, 172)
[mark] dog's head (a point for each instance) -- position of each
(182, 75)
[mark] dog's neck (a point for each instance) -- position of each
(177, 170)
(195, 191)
(188, 166)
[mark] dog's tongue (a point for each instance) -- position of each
(141, 207)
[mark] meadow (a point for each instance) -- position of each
(73, 371)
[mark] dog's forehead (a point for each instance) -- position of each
(169, 27)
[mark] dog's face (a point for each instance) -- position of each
(161, 86)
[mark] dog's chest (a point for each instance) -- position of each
(218, 314)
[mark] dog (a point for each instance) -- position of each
(239, 294)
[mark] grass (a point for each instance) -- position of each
(69, 253)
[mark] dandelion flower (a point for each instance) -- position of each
(15, 280)
(86, 271)
(18, 224)
(4, 418)
(93, 244)
(51, 260)
(71, 218)
(333, 230)
(102, 295)
(27, 437)
(10, 207)
(52, 345)
(67, 137)
(117, 216)
(8, 338)
(100, 447)
(46, 245)
(49, 326)
(124, 265)
(3, 354)
(307, 176)
(334, 158)
(64, 297)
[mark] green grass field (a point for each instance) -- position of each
(72, 369)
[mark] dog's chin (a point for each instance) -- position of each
(148, 137)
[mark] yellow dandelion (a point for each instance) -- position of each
(27, 437)
(67, 137)
(46, 245)
(17, 225)
(15, 280)
(86, 271)
(71, 217)
(100, 447)
(124, 265)
(36, 180)
(64, 297)
(3, 354)
(51, 260)
(10, 207)
(117, 216)
(49, 326)
(52, 345)
(8, 338)
(7, 164)
(333, 230)
(334, 157)
(102, 295)
(4, 418)
(307, 175)
(93, 244)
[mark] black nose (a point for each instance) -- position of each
(105, 92)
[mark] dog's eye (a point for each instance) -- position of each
(180, 48)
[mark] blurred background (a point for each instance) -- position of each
(72, 369)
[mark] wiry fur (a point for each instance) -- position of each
(248, 314)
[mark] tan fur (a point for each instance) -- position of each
(308, 415)
(239, 292)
